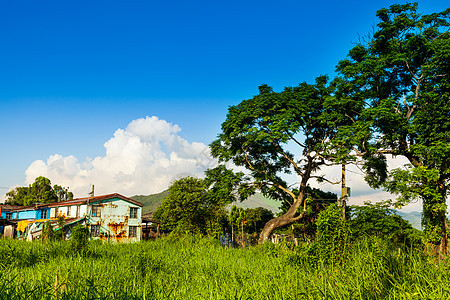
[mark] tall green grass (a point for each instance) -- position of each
(199, 268)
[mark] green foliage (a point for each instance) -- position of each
(317, 200)
(401, 79)
(183, 210)
(47, 232)
(256, 218)
(332, 236)
(273, 134)
(378, 220)
(190, 208)
(235, 214)
(225, 186)
(315, 196)
(79, 238)
(40, 191)
(256, 132)
(250, 220)
(59, 234)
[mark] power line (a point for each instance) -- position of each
(358, 173)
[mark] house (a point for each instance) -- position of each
(6, 225)
(110, 217)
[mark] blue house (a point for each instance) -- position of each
(111, 217)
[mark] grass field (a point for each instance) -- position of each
(199, 268)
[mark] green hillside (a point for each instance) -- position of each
(259, 200)
(415, 218)
(151, 202)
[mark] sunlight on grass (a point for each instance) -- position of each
(199, 268)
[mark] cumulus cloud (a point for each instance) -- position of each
(144, 158)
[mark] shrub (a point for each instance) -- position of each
(79, 237)
(332, 235)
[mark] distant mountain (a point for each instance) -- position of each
(414, 217)
(151, 202)
(259, 200)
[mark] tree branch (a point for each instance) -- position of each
(324, 179)
(294, 164)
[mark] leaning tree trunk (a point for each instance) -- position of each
(289, 217)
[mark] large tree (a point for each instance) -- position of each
(195, 205)
(273, 134)
(186, 207)
(40, 191)
(401, 75)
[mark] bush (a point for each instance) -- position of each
(332, 235)
(47, 232)
(379, 220)
(79, 237)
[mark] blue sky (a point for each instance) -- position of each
(74, 72)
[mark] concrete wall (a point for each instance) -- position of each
(69, 211)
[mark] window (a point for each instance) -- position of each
(56, 212)
(96, 211)
(68, 210)
(133, 212)
(132, 231)
(8, 216)
(44, 214)
(95, 230)
(78, 211)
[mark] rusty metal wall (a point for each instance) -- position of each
(115, 220)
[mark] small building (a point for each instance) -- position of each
(110, 217)
(7, 227)
(150, 227)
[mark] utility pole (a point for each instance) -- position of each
(344, 193)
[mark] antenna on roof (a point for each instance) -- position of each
(91, 193)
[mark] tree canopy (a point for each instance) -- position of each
(185, 208)
(379, 220)
(259, 132)
(401, 76)
(195, 205)
(391, 96)
(40, 191)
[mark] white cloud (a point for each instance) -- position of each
(144, 158)
(360, 190)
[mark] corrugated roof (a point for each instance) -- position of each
(22, 208)
(8, 207)
(74, 202)
(94, 199)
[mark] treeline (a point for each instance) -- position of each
(40, 191)
(195, 206)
